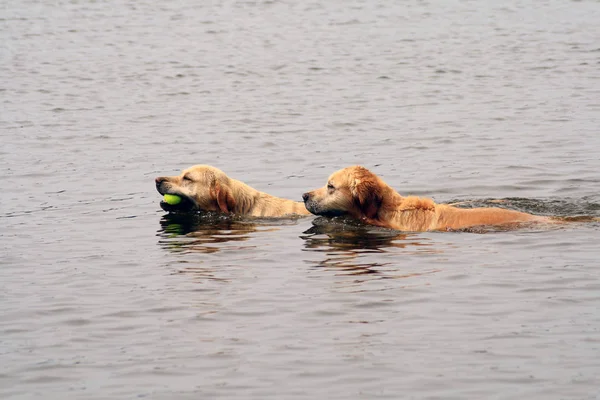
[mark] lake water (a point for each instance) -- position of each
(103, 296)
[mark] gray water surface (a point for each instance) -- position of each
(103, 296)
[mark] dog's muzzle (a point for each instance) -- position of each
(186, 204)
(310, 204)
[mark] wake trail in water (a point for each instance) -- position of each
(575, 210)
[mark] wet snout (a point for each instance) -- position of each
(160, 184)
(310, 203)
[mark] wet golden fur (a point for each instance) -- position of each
(206, 188)
(357, 192)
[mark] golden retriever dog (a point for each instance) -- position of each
(359, 193)
(206, 188)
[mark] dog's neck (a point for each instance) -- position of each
(391, 200)
(252, 201)
(246, 197)
(403, 213)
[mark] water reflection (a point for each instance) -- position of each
(365, 252)
(205, 233)
(209, 233)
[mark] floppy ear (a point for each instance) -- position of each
(367, 195)
(225, 200)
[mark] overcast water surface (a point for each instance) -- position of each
(104, 296)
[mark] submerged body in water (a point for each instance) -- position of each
(360, 194)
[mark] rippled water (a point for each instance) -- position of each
(104, 296)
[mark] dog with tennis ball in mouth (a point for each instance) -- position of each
(206, 188)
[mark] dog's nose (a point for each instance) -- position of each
(159, 180)
(306, 196)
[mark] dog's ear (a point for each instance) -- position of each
(225, 199)
(366, 192)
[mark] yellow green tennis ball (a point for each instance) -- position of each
(172, 199)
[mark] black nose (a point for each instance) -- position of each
(159, 180)
(306, 196)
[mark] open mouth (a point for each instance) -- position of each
(185, 205)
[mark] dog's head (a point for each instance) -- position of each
(201, 188)
(353, 191)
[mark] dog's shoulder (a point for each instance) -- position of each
(416, 203)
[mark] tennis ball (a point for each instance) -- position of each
(172, 199)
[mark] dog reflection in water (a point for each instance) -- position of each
(344, 241)
(206, 233)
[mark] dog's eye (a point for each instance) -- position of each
(187, 178)
(330, 186)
